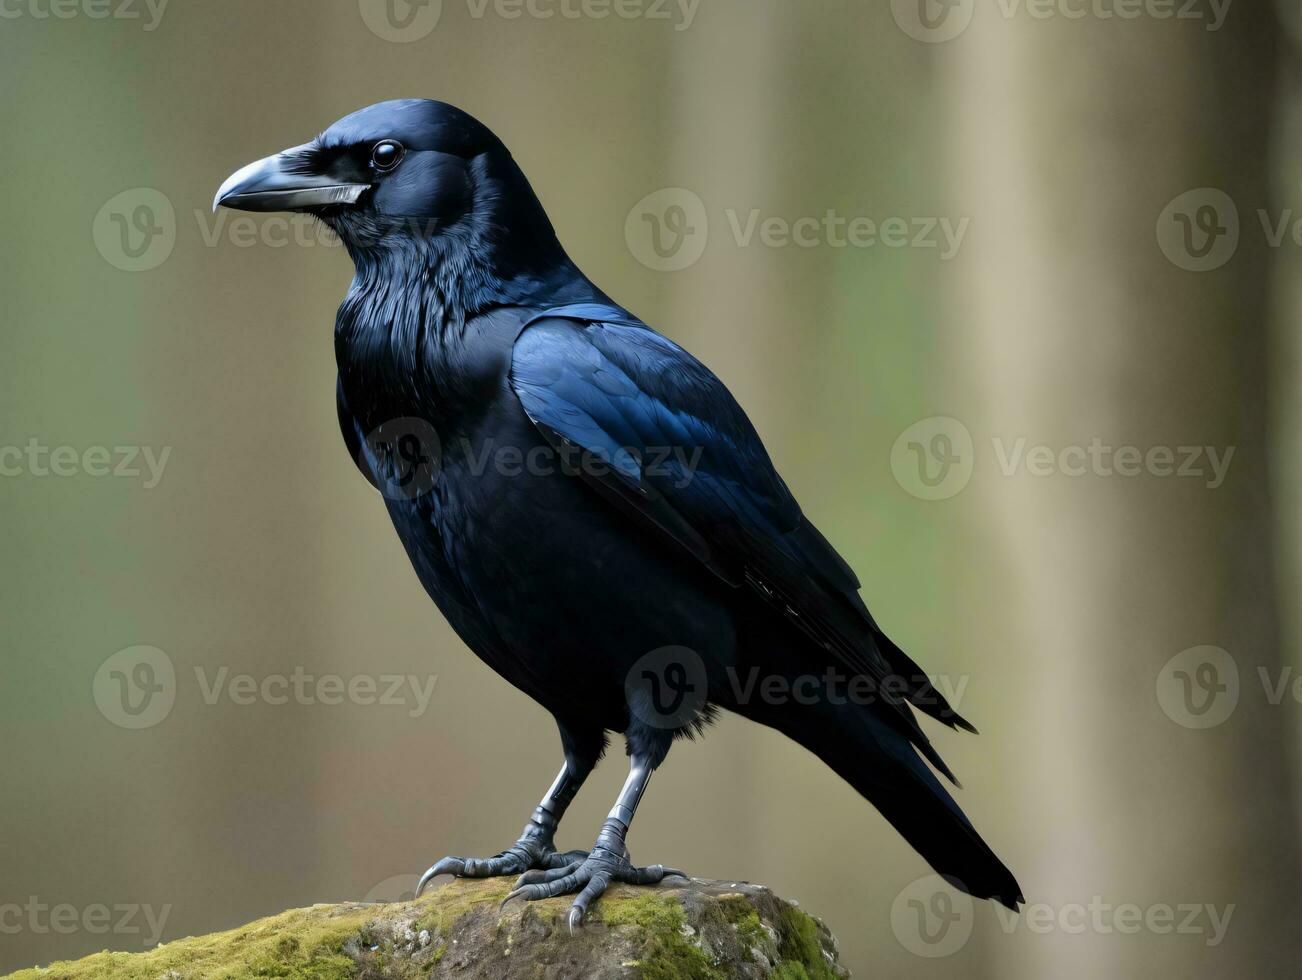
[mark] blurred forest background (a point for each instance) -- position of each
(1122, 626)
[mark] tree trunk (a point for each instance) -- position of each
(1096, 306)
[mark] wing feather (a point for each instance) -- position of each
(682, 456)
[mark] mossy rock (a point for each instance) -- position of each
(680, 929)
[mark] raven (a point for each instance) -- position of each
(586, 502)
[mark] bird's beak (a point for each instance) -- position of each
(285, 182)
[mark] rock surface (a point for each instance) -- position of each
(682, 928)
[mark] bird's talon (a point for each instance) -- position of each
(526, 855)
(443, 866)
(576, 919)
(515, 893)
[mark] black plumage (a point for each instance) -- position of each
(640, 510)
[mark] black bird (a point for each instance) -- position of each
(586, 502)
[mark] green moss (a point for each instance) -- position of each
(302, 944)
(800, 949)
(790, 970)
(647, 909)
(674, 958)
(368, 942)
(469, 896)
(668, 954)
(744, 918)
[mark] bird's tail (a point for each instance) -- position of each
(884, 767)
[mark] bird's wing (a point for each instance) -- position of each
(673, 448)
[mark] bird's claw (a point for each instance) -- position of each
(590, 876)
(528, 853)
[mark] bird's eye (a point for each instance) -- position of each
(386, 155)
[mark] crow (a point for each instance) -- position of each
(587, 504)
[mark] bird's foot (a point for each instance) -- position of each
(534, 851)
(589, 875)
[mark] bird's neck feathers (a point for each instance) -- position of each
(430, 278)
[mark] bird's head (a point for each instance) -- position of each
(402, 173)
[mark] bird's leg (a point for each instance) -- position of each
(535, 849)
(609, 860)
